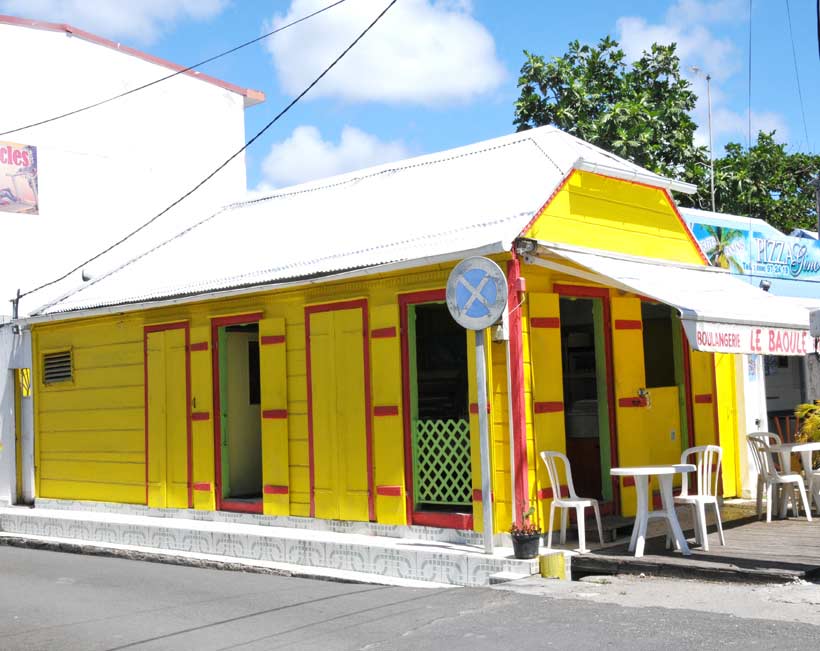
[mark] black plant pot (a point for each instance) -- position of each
(526, 545)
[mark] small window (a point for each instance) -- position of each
(57, 367)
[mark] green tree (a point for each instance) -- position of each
(640, 112)
(766, 182)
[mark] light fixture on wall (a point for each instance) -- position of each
(765, 285)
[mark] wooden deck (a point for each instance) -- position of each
(755, 551)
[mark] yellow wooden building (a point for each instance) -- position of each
(293, 355)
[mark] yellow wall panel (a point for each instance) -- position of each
(388, 428)
(274, 387)
(202, 431)
(604, 213)
(728, 422)
(547, 389)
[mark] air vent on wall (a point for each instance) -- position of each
(57, 367)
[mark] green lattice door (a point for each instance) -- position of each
(441, 463)
(440, 426)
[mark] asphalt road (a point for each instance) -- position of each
(52, 600)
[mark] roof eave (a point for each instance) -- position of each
(122, 308)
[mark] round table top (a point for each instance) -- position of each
(810, 446)
(661, 469)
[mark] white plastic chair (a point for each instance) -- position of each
(772, 479)
(707, 460)
(570, 501)
(755, 439)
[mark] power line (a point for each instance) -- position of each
(797, 75)
(171, 76)
(224, 164)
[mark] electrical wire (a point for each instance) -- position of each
(797, 75)
(171, 76)
(225, 163)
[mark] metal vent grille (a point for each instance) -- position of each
(57, 367)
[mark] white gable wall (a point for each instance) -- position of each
(105, 171)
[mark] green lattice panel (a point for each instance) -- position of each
(442, 472)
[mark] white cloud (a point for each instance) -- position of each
(140, 20)
(733, 125)
(421, 52)
(690, 24)
(305, 155)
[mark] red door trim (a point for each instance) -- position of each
(184, 325)
(583, 291)
(217, 323)
(368, 406)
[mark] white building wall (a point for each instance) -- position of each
(105, 171)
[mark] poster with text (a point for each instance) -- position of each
(18, 178)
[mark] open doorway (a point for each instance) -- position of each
(586, 395)
(239, 425)
(437, 395)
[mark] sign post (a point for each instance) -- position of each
(476, 298)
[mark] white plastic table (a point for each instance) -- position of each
(805, 449)
(664, 473)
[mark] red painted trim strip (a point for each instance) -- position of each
(199, 345)
(474, 407)
(276, 490)
(202, 486)
(275, 414)
(385, 410)
(254, 96)
(388, 491)
(703, 398)
(547, 203)
(477, 496)
(628, 324)
(687, 386)
(268, 340)
(686, 229)
(545, 322)
(629, 481)
(383, 333)
(463, 521)
(548, 407)
(515, 286)
(242, 507)
(547, 493)
(200, 415)
(637, 401)
(413, 517)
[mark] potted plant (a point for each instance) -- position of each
(808, 417)
(526, 538)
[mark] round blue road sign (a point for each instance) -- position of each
(476, 293)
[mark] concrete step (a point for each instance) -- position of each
(394, 558)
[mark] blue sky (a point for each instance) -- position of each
(441, 73)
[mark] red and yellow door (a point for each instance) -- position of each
(338, 411)
(168, 427)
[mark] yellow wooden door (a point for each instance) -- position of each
(167, 419)
(339, 417)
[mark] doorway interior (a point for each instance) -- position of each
(437, 421)
(587, 395)
(238, 424)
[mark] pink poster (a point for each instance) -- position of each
(18, 178)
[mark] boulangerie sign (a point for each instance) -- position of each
(18, 178)
(713, 337)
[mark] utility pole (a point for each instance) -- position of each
(708, 77)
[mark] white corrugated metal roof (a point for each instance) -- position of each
(479, 196)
